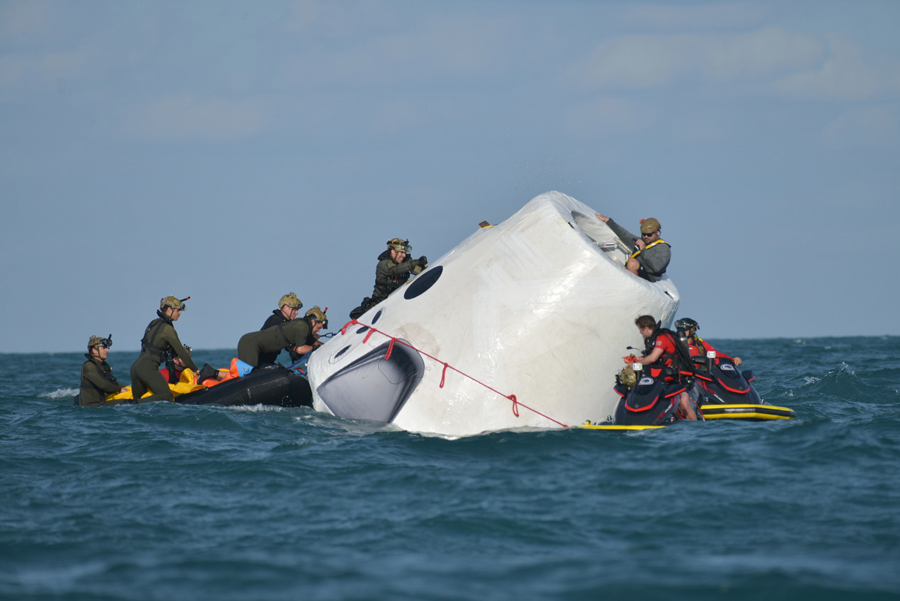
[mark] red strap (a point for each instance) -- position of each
(512, 397)
(347, 325)
(515, 406)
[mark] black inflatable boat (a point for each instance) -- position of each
(269, 385)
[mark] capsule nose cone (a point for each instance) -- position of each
(372, 387)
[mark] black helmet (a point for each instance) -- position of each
(685, 324)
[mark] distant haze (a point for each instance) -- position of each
(234, 152)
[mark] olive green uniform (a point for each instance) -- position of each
(160, 340)
(390, 275)
(97, 381)
(272, 340)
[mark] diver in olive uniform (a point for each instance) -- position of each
(321, 323)
(160, 341)
(97, 379)
(292, 336)
(288, 307)
(392, 271)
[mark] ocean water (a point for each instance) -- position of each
(162, 501)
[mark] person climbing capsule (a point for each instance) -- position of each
(393, 270)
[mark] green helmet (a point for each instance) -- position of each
(319, 315)
(648, 226)
(171, 301)
(97, 341)
(399, 245)
(290, 299)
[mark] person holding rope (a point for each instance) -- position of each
(293, 336)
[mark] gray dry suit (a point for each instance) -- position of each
(653, 260)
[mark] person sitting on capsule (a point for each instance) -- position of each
(697, 347)
(97, 379)
(293, 336)
(661, 346)
(160, 342)
(392, 271)
(288, 308)
(651, 255)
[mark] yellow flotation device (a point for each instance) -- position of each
(754, 413)
(651, 245)
(185, 385)
(747, 412)
(589, 426)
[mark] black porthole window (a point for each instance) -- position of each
(377, 316)
(341, 352)
(422, 283)
(362, 329)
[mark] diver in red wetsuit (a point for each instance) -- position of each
(697, 347)
(662, 347)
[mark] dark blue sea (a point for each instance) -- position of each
(163, 501)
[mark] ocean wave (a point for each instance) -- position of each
(257, 408)
(59, 393)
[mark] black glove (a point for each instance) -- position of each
(423, 261)
(206, 372)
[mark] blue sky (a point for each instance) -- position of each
(236, 151)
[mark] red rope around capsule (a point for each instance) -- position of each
(515, 403)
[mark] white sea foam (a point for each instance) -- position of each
(59, 393)
(260, 408)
